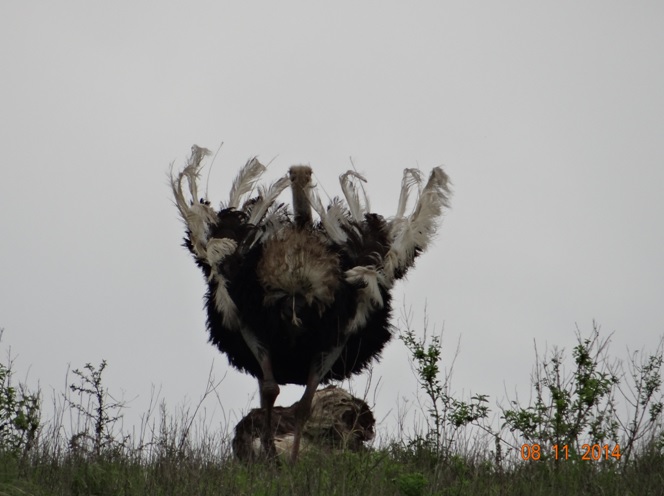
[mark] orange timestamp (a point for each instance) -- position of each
(589, 452)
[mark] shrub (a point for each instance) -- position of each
(19, 412)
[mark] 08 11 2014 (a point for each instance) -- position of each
(589, 452)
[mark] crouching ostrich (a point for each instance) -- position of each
(291, 300)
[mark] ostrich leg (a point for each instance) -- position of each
(319, 368)
(267, 387)
(303, 412)
(269, 390)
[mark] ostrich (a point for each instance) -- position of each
(291, 300)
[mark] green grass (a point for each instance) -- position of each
(386, 471)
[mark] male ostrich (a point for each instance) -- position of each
(291, 300)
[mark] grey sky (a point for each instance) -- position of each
(548, 116)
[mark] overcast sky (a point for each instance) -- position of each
(548, 117)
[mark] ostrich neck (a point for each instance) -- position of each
(301, 206)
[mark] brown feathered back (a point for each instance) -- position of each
(296, 262)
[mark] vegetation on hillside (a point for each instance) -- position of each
(571, 437)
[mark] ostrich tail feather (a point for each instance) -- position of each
(244, 181)
(266, 197)
(195, 212)
(357, 209)
(412, 234)
(411, 177)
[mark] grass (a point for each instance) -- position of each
(385, 471)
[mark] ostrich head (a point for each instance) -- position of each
(300, 178)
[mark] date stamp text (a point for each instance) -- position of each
(589, 452)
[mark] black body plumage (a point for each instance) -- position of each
(318, 333)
